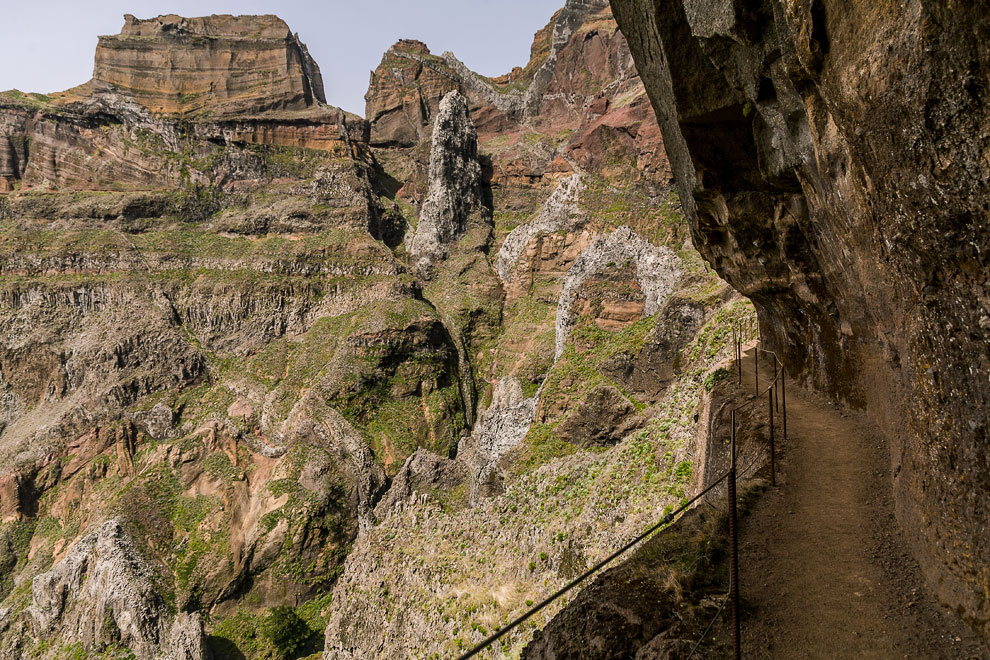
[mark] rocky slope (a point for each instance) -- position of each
(587, 377)
(279, 372)
(102, 594)
(832, 162)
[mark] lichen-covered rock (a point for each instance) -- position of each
(455, 184)
(559, 212)
(159, 421)
(502, 426)
(423, 472)
(648, 371)
(103, 593)
(186, 638)
(832, 159)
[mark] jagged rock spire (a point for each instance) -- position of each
(455, 184)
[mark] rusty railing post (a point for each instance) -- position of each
(773, 457)
(734, 548)
(739, 353)
(783, 398)
(756, 366)
(776, 395)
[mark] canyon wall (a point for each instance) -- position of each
(163, 229)
(833, 160)
(380, 382)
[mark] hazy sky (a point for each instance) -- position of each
(48, 45)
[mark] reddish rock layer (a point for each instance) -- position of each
(221, 64)
(98, 144)
(579, 94)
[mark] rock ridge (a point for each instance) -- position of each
(102, 593)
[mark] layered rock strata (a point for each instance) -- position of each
(163, 91)
(218, 64)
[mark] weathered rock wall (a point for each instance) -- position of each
(172, 64)
(145, 259)
(108, 141)
(103, 593)
(833, 160)
(214, 333)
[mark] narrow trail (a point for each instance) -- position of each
(824, 572)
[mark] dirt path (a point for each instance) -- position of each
(823, 570)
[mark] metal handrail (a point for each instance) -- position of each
(666, 520)
(729, 475)
(709, 627)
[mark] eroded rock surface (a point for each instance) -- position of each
(503, 425)
(102, 593)
(832, 160)
(219, 64)
(656, 272)
(604, 417)
(455, 184)
(559, 212)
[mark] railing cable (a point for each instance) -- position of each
(666, 520)
(669, 518)
(709, 627)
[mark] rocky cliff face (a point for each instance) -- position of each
(832, 161)
(148, 260)
(172, 100)
(579, 89)
(216, 64)
(107, 141)
(257, 353)
(103, 594)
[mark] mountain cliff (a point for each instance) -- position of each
(832, 163)
(220, 64)
(286, 378)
